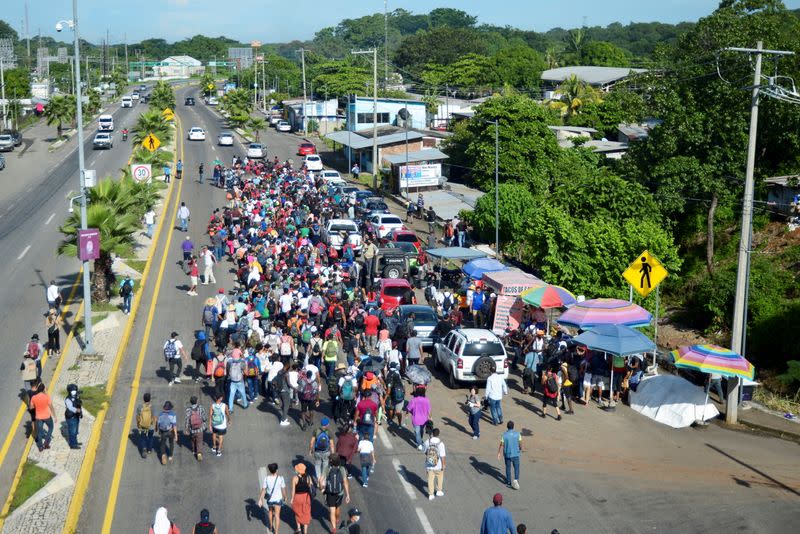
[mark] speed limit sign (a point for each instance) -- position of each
(141, 172)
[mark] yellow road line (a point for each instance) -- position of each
(27, 449)
(81, 485)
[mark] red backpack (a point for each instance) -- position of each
(33, 350)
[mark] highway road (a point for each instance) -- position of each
(33, 204)
(592, 472)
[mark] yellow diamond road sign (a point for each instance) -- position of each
(168, 114)
(645, 273)
(210, 86)
(151, 143)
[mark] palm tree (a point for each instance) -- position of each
(572, 94)
(60, 110)
(116, 236)
(151, 121)
(157, 159)
(257, 124)
(162, 97)
(126, 195)
(205, 81)
(94, 102)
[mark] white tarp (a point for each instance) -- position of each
(671, 400)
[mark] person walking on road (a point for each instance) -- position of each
(162, 524)
(183, 216)
(509, 450)
(220, 421)
(200, 173)
(435, 462)
(53, 296)
(145, 426)
(301, 498)
(167, 423)
(366, 453)
(126, 292)
(235, 371)
(333, 482)
(44, 417)
(552, 385)
(496, 387)
(308, 391)
(208, 266)
(53, 323)
(187, 247)
(179, 170)
(204, 526)
(174, 353)
(320, 447)
(149, 221)
(273, 489)
(497, 520)
(194, 273)
(167, 172)
(420, 409)
(194, 425)
(474, 412)
(346, 446)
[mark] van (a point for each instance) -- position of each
(127, 102)
(105, 123)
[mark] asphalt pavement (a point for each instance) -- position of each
(591, 472)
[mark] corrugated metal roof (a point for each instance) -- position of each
(591, 75)
(358, 142)
(428, 154)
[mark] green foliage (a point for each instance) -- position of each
(33, 478)
(93, 105)
(605, 55)
(120, 81)
(257, 124)
(519, 66)
(237, 103)
(206, 80)
(342, 78)
(162, 96)
(151, 121)
(604, 115)
(443, 45)
(18, 83)
(59, 111)
(572, 95)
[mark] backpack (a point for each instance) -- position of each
(448, 303)
(338, 314)
(333, 254)
(33, 350)
(398, 391)
(428, 292)
(217, 417)
(334, 485)
(278, 382)
(145, 418)
(252, 368)
(359, 320)
(551, 384)
(195, 419)
(308, 390)
(219, 369)
(198, 350)
(271, 306)
(316, 347)
(367, 418)
(314, 306)
(572, 373)
(348, 391)
(331, 349)
(323, 442)
(306, 336)
(286, 348)
(432, 455)
(333, 385)
(170, 350)
(164, 422)
(125, 290)
(348, 253)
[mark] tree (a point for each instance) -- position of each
(59, 111)
(94, 103)
(151, 122)
(120, 81)
(572, 94)
(604, 54)
(342, 78)
(18, 83)
(443, 45)
(237, 104)
(207, 84)
(162, 96)
(617, 106)
(519, 66)
(257, 124)
(453, 18)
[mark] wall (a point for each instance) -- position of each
(364, 106)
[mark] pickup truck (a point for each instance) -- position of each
(334, 231)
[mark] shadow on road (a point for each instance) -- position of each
(487, 469)
(775, 483)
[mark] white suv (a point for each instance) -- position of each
(470, 355)
(313, 162)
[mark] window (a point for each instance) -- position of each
(489, 348)
(367, 118)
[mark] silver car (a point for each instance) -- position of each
(6, 143)
(225, 139)
(2, 162)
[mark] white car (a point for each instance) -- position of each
(470, 355)
(225, 139)
(135, 95)
(382, 224)
(212, 101)
(196, 134)
(274, 119)
(330, 176)
(103, 140)
(283, 126)
(127, 102)
(313, 162)
(338, 230)
(256, 151)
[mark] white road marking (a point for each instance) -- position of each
(213, 148)
(384, 438)
(49, 219)
(22, 255)
(406, 485)
(11, 207)
(423, 519)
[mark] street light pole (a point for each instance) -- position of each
(3, 92)
(374, 53)
(386, 43)
(496, 188)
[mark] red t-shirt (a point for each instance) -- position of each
(371, 325)
(363, 406)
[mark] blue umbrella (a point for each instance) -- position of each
(476, 268)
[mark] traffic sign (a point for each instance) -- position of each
(645, 273)
(141, 172)
(168, 114)
(151, 142)
(210, 87)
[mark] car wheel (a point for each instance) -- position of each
(392, 272)
(452, 383)
(484, 367)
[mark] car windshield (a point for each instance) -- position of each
(307, 145)
(312, 158)
(390, 220)
(255, 146)
(405, 247)
(489, 348)
(424, 316)
(343, 228)
(394, 291)
(406, 238)
(225, 134)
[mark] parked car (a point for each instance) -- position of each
(392, 291)
(212, 101)
(335, 231)
(313, 162)
(411, 252)
(405, 236)
(103, 140)
(256, 151)
(2, 162)
(306, 148)
(189, 101)
(470, 355)
(225, 139)
(360, 195)
(274, 119)
(424, 322)
(196, 134)
(330, 176)
(6, 143)
(283, 126)
(15, 135)
(347, 190)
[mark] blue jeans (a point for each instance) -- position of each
(126, 303)
(496, 410)
(252, 387)
(330, 367)
(512, 462)
(200, 174)
(43, 438)
(149, 230)
(418, 434)
(184, 224)
(369, 430)
(145, 440)
(461, 236)
(72, 431)
(365, 472)
(236, 387)
(219, 252)
(474, 423)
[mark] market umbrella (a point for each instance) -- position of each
(418, 374)
(548, 296)
(618, 340)
(591, 313)
(713, 359)
(476, 268)
(371, 363)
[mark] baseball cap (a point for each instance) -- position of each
(497, 500)
(174, 334)
(354, 512)
(325, 421)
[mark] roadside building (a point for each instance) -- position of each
(178, 67)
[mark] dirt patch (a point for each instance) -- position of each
(671, 336)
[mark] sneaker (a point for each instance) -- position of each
(163, 459)
(171, 458)
(285, 422)
(558, 418)
(219, 453)
(199, 457)
(349, 476)
(515, 484)
(171, 382)
(177, 380)
(430, 497)
(474, 437)
(213, 450)
(440, 493)
(364, 485)
(419, 447)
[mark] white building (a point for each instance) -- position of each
(178, 67)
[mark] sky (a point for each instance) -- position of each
(280, 21)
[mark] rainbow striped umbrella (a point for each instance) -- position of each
(714, 359)
(594, 312)
(548, 296)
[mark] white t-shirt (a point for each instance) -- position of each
(439, 444)
(314, 370)
(150, 217)
(293, 376)
(52, 293)
(365, 446)
(178, 346)
(273, 484)
(286, 302)
(274, 369)
(208, 258)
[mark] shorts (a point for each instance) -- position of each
(219, 431)
(598, 380)
(306, 406)
(587, 380)
(552, 401)
(333, 500)
(193, 279)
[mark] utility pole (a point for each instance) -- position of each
(27, 35)
(745, 242)
(3, 92)
(127, 67)
(374, 53)
(303, 61)
(385, 44)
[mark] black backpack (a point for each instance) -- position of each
(334, 484)
(359, 320)
(125, 290)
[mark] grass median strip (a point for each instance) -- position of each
(33, 479)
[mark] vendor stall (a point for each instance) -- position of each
(508, 285)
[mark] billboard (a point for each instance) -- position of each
(429, 175)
